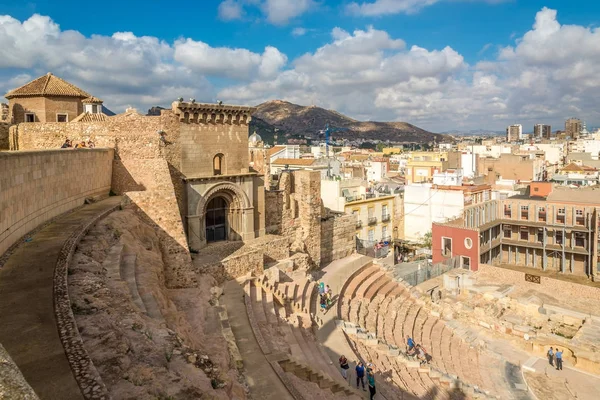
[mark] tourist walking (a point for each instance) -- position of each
(558, 356)
(323, 302)
(410, 343)
(344, 366)
(321, 288)
(360, 374)
(328, 295)
(66, 144)
(551, 357)
(371, 380)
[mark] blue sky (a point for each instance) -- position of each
(440, 64)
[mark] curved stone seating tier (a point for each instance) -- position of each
(373, 300)
(283, 332)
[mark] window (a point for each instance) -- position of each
(61, 118)
(524, 232)
(466, 262)
(579, 239)
(507, 212)
(217, 164)
(384, 213)
(558, 236)
(446, 246)
(29, 117)
(507, 232)
(384, 232)
(579, 220)
(468, 243)
(560, 216)
(540, 235)
(371, 236)
(94, 108)
(524, 212)
(542, 214)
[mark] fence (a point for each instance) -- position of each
(373, 248)
(427, 271)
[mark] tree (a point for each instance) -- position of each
(426, 240)
(380, 146)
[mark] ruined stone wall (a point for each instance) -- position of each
(4, 129)
(39, 185)
(12, 382)
(295, 211)
(337, 237)
(145, 167)
(566, 289)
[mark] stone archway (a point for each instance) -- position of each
(239, 215)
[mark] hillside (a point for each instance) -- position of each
(296, 120)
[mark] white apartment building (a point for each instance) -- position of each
(376, 169)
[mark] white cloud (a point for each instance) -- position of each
(228, 62)
(299, 31)
(277, 12)
(390, 7)
(551, 72)
(230, 10)
(383, 7)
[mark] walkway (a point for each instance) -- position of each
(262, 380)
(28, 329)
(328, 334)
(578, 383)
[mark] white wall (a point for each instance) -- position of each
(468, 164)
(424, 205)
(376, 171)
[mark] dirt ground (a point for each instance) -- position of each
(547, 387)
(147, 341)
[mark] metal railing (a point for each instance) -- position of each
(385, 217)
(372, 220)
(358, 224)
(372, 248)
(427, 271)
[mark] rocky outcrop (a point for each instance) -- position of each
(12, 383)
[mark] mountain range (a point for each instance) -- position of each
(292, 120)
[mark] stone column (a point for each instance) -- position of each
(247, 224)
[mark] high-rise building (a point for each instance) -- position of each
(514, 132)
(542, 131)
(573, 127)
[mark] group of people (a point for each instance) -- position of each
(325, 296)
(416, 350)
(361, 371)
(555, 356)
(81, 145)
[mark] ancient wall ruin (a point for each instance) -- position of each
(295, 211)
(4, 142)
(36, 186)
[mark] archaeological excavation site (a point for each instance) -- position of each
(163, 263)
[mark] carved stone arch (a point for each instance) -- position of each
(236, 195)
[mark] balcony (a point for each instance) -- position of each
(358, 224)
(385, 217)
(372, 220)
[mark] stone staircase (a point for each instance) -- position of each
(282, 329)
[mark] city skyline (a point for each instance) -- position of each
(435, 76)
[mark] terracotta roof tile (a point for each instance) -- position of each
(89, 117)
(47, 85)
(91, 100)
(294, 161)
(274, 150)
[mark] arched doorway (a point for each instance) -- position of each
(216, 219)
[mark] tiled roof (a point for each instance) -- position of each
(91, 100)
(47, 85)
(294, 161)
(89, 117)
(274, 150)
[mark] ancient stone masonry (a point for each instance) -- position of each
(12, 383)
(4, 142)
(36, 186)
(295, 211)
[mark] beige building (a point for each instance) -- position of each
(514, 133)
(516, 167)
(46, 99)
(373, 217)
(573, 127)
(422, 165)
